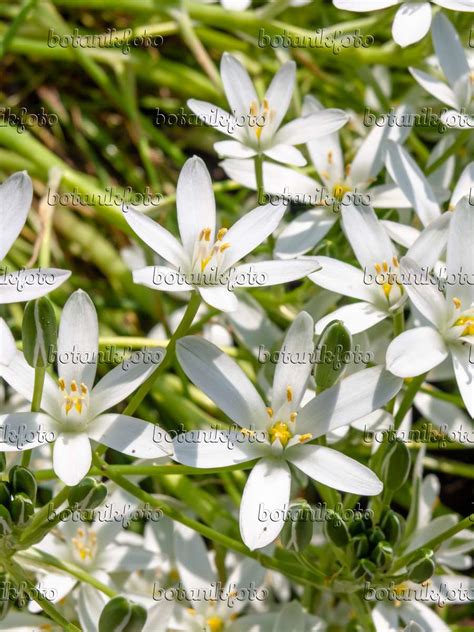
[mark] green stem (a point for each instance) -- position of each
(39, 518)
(40, 374)
(458, 143)
(15, 25)
(181, 331)
(407, 401)
(259, 178)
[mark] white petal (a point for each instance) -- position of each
(370, 157)
(72, 457)
(459, 257)
(16, 194)
(291, 617)
(304, 232)
(233, 149)
(279, 94)
(406, 173)
(312, 127)
(367, 236)
(263, 273)
(401, 233)
(195, 203)
(385, 618)
(426, 296)
(343, 278)
(130, 436)
(464, 186)
(334, 469)
(432, 530)
(354, 397)
(411, 23)
(441, 413)
(216, 448)
(388, 196)
(286, 154)
(423, 615)
(267, 489)
(124, 379)
(456, 5)
(364, 5)
(250, 231)
(25, 431)
(356, 317)
(27, 285)
(90, 604)
(435, 87)
(219, 297)
(217, 118)
(222, 380)
(431, 242)
(163, 278)
(236, 5)
(238, 86)
(464, 371)
(78, 341)
(415, 351)
(192, 559)
(252, 326)
(58, 585)
(298, 345)
(452, 57)
(158, 238)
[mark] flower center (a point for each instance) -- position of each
(466, 320)
(389, 276)
(339, 190)
(84, 544)
(215, 624)
(261, 115)
(280, 431)
(205, 251)
(76, 398)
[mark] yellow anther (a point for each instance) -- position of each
(253, 108)
(378, 268)
(348, 170)
(281, 432)
(457, 303)
(289, 393)
(85, 543)
(68, 405)
(330, 157)
(325, 174)
(74, 386)
(395, 261)
(191, 611)
(305, 437)
(224, 246)
(215, 624)
(247, 432)
(385, 266)
(469, 325)
(204, 262)
(78, 404)
(84, 389)
(221, 233)
(266, 105)
(339, 190)
(62, 384)
(207, 234)
(293, 417)
(270, 411)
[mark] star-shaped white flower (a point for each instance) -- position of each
(412, 20)
(279, 435)
(16, 194)
(74, 406)
(256, 124)
(206, 259)
(451, 332)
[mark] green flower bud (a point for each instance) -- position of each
(336, 529)
(3, 461)
(5, 495)
(422, 567)
(356, 527)
(39, 333)
(21, 509)
(392, 526)
(298, 529)
(23, 481)
(121, 615)
(5, 521)
(365, 569)
(333, 346)
(382, 555)
(4, 607)
(375, 535)
(397, 466)
(360, 545)
(87, 495)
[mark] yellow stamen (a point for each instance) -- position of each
(266, 105)
(385, 266)
(387, 288)
(253, 108)
(293, 417)
(247, 432)
(281, 432)
(395, 261)
(73, 386)
(68, 405)
(224, 246)
(457, 303)
(469, 325)
(207, 234)
(330, 157)
(270, 411)
(305, 437)
(289, 393)
(215, 624)
(221, 233)
(62, 384)
(84, 389)
(378, 268)
(339, 190)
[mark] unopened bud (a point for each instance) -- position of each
(333, 346)
(336, 529)
(397, 466)
(297, 532)
(39, 333)
(23, 481)
(121, 615)
(422, 567)
(21, 509)
(87, 495)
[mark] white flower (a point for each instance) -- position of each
(452, 58)
(280, 434)
(389, 616)
(16, 194)
(206, 261)
(412, 20)
(451, 330)
(255, 125)
(377, 285)
(73, 407)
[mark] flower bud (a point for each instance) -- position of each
(422, 567)
(3, 461)
(382, 555)
(397, 466)
(334, 344)
(392, 526)
(360, 545)
(365, 569)
(5, 495)
(4, 605)
(375, 535)
(357, 527)
(21, 509)
(5, 521)
(23, 481)
(336, 529)
(121, 615)
(87, 495)
(39, 333)
(298, 529)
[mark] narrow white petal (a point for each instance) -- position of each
(430, 244)
(423, 615)
(464, 186)
(312, 127)
(217, 118)
(426, 296)
(415, 351)
(217, 448)
(192, 559)
(233, 149)
(334, 469)
(238, 86)
(343, 278)
(222, 380)
(370, 157)
(16, 194)
(219, 297)
(456, 5)
(452, 58)
(130, 436)
(464, 371)
(286, 154)
(460, 260)
(195, 203)
(25, 431)
(357, 317)
(163, 278)
(435, 87)
(280, 91)
(388, 196)
(353, 398)
(267, 490)
(304, 233)
(364, 5)
(72, 457)
(401, 233)
(263, 273)
(411, 23)
(27, 285)
(158, 238)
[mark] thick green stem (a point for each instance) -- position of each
(407, 401)
(40, 374)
